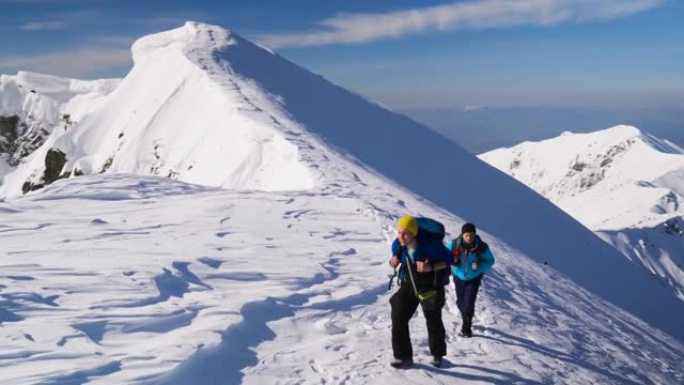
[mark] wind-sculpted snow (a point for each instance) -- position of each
(143, 290)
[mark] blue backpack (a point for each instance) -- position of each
(431, 240)
(431, 246)
(430, 231)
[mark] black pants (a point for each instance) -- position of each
(404, 304)
(466, 293)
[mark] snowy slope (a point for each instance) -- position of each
(280, 277)
(176, 121)
(152, 281)
(625, 185)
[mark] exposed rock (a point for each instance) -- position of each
(54, 163)
(108, 163)
(578, 166)
(672, 226)
(8, 133)
(19, 139)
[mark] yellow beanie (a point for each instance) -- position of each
(408, 223)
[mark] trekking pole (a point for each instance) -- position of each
(389, 287)
(413, 281)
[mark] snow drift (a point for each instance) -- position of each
(127, 279)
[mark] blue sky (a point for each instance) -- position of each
(406, 54)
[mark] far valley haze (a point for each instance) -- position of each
(482, 129)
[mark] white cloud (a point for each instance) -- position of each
(45, 25)
(473, 108)
(61, 20)
(480, 14)
(77, 63)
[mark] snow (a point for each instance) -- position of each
(43, 97)
(575, 170)
(177, 121)
(625, 185)
(187, 284)
(266, 262)
(44, 103)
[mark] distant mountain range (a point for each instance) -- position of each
(625, 185)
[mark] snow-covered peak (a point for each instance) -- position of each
(620, 182)
(182, 113)
(625, 133)
(192, 35)
(619, 131)
(592, 165)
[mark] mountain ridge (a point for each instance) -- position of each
(297, 131)
(149, 278)
(625, 185)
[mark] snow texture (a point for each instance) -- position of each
(280, 276)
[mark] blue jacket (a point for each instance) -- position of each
(426, 252)
(480, 251)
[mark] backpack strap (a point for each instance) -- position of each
(481, 248)
(407, 264)
(455, 251)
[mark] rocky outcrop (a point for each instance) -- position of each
(54, 164)
(19, 139)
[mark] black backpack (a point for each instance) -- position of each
(456, 251)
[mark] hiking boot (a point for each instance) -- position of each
(401, 363)
(436, 361)
(466, 330)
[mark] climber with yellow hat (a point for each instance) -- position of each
(424, 272)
